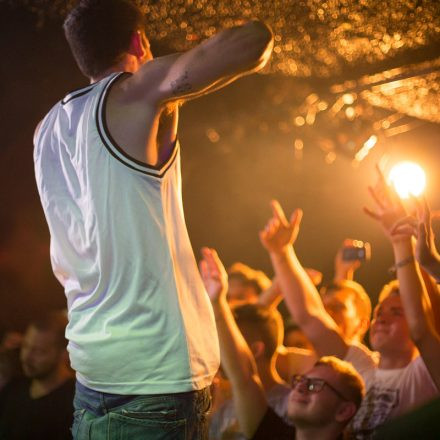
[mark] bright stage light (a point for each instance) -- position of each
(408, 178)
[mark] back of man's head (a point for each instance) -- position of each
(245, 283)
(255, 278)
(99, 33)
(260, 324)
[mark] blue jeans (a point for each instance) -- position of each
(99, 416)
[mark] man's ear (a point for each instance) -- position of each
(345, 412)
(136, 47)
(257, 349)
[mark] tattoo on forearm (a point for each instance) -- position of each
(181, 85)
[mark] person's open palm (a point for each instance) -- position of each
(279, 232)
(214, 274)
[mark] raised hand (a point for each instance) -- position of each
(344, 269)
(280, 233)
(214, 275)
(420, 226)
(389, 208)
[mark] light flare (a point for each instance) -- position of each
(408, 178)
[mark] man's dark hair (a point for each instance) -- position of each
(259, 323)
(54, 322)
(99, 32)
(256, 279)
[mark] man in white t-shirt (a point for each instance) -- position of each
(142, 336)
(406, 370)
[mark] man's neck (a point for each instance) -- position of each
(396, 360)
(127, 64)
(43, 387)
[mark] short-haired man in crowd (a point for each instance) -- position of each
(350, 307)
(246, 284)
(322, 401)
(40, 407)
(400, 378)
(107, 165)
(262, 328)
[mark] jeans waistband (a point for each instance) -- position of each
(99, 403)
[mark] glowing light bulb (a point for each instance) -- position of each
(408, 178)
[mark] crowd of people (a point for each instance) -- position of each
(146, 330)
(328, 383)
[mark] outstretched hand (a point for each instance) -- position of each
(214, 274)
(389, 208)
(279, 232)
(420, 226)
(344, 269)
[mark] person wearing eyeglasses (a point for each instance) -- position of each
(321, 402)
(404, 372)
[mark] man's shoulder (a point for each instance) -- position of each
(15, 392)
(359, 353)
(17, 385)
(274, 427)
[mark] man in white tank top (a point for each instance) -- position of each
(141, 331)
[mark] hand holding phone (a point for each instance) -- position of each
(357, 251)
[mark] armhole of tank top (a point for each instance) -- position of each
(115, 150)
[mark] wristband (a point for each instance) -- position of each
(393, 269)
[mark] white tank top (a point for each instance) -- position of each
(140, 321)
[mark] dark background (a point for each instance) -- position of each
(227, 184)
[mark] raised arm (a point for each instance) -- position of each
(419, 226)
(237, 360)
(300, 294)
(344, 269)
(416, 304)
(271, 296)
(212, 64)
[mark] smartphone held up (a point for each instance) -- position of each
(357, 251)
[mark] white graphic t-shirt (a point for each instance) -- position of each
(389, 392)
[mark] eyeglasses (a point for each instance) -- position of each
(313, 384)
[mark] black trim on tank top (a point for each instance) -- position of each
(79, 92)
(101, 116)
(64, 102)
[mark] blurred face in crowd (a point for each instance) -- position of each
(296, 338)
(389, 330)
(240, 292)
(41, 354)
(341, 307)
(317, 408)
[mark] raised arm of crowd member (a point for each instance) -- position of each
(419, 226)
(321, 402)
(271, 296)
(300, 294)
(416, 304)
(432, 289)
(344, 269)
(237, 360)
